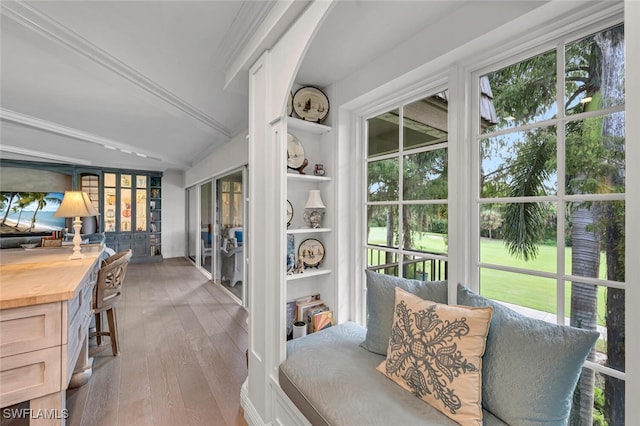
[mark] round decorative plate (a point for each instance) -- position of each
(290, 105)
(295, 152)
(311, 104)
(289, 212)
(311, 251)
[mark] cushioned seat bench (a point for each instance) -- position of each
(333, 381)
(529, 368)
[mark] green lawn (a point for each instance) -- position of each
(520, 289)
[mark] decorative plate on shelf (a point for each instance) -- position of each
(312, 252)
(290, 104)
(311, 104)
(289, 212)
(295, 152)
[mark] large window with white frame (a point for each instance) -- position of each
(406, 206)
(550, 190)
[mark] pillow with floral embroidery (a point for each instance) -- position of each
(435, 352)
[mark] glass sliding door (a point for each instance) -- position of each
(193, 228)
(206, 239)
(216, 232)
(230, 212)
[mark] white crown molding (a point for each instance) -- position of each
(48, 126)
(35, 20)
(43, 155)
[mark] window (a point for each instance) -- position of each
(407, 190)
(551, 200)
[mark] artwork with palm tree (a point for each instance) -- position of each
(30, 213)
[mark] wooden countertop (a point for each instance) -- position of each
(32, 277)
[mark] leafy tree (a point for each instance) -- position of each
(383, 186)
(424, 178)
(491, 220)
(611, 44)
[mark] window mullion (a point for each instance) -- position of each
(400, 189)
(561, 179)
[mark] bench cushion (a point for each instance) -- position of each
(381, 303)
(333, 381)
(530, 367)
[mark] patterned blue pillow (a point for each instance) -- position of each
(530, 367)
(381, 304)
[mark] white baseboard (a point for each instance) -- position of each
(250, 413)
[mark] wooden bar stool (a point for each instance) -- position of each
(105, 297)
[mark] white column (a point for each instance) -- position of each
(270, 80)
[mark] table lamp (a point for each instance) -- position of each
(76, 204)
(314, 209)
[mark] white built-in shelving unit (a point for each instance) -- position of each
(318, 147)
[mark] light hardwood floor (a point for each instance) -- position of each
(182, 359)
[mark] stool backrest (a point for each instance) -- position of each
(110, 278)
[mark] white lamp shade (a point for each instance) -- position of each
(76, 204)
(314, 201)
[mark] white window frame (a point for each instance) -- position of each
(560, 199)
(459, 74)
(400, 251)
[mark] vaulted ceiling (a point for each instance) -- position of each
(141, 84)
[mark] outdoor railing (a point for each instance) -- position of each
(413, 267)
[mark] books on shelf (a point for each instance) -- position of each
(322, 320)
(291, 318)
(319, 318)
(310, 309)
(303, 308)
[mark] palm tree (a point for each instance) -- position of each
(4, 200)
(611, 44)
(41, 199)
(17, 209)
(24, 200)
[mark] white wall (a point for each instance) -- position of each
(173, 212)
(229, 156)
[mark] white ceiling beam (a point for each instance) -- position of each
(43, 155)
(48, 126)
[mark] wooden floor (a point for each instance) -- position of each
(182, 359)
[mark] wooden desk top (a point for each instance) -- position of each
(32, 277)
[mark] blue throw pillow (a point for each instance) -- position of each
(530, 367)
(381, 303)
